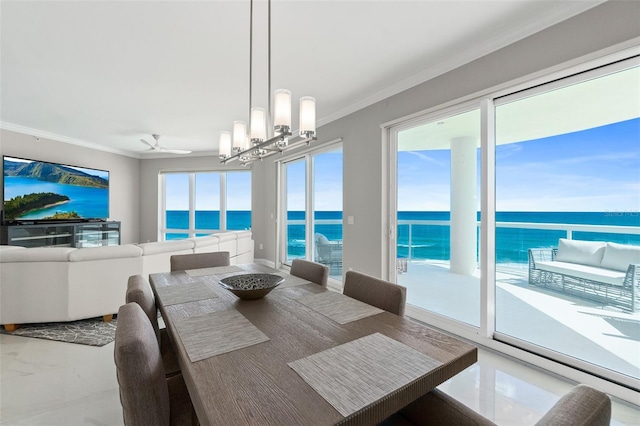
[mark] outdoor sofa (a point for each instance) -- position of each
(607, 273)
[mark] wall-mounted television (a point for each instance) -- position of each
(40, 190)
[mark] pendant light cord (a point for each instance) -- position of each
(250, 58)
(269, 126)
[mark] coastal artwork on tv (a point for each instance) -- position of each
(38, 190)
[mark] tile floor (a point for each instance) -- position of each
(53, 383)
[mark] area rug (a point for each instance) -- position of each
(92, 332)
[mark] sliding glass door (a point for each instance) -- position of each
(295, 230)
(437, 214)
(561, 186)
(568, 179)
(327, 210)
(313, 183)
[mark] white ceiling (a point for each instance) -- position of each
(105, 74)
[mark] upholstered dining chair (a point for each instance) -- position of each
(312, 271)
(582, 406)
(379, 293)
(184, 262)
(139, 291)
(146, 395)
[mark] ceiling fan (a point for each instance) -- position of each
(159, 148)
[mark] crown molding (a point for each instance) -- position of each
(65, 139)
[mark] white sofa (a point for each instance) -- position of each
(601, 271)
(55, 284)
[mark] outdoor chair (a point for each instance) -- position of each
(139, 291)
(582, 406)
(376, 292)
(146, 395)
(329, 253)
(312, 271)
(184, 262)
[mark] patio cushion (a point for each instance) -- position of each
(582, 252)
(620, 256)
(586, 272)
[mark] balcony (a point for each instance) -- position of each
(593, 332)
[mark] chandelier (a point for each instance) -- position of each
(261, 142)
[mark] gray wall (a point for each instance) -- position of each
(124, 191)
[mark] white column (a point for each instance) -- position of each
(463, 234)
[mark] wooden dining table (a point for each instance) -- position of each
(301, 355)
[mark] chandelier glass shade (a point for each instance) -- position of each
(257, 141)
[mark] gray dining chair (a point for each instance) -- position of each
(139, 291)
(312, 271)
(582, 406)
(146, 395)
(184, 262)
(376, 292)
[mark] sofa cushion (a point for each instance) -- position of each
(581, 252)
(591, 273)
(207, 241)
(6, 248)
(165, 246)
(38, 254)
(226, 236)
(619, 256)
(106, 252)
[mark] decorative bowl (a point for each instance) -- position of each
(251, 286)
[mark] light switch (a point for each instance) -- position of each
(350, 220)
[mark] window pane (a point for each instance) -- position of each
(437, 236)
(207, 201)
(296, 210)
(173, 236)
(238, 200)
(177, 200)
(567, 167)
(327, 184)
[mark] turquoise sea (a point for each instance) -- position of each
(432, 241)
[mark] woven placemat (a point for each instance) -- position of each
(217, 333)
(201, 272)
(176, 294)
(340, 308)
(356, 374)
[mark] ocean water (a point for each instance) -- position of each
(512, 244)
(237, 220)
(432, 241)
(86, 201)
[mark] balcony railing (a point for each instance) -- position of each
(563, 231)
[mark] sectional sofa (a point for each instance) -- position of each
(55, 284)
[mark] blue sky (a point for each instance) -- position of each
(208, 191)
(327, 184)
(591, 170)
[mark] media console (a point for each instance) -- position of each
(61, 234)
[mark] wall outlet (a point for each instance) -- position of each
(261, 246)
